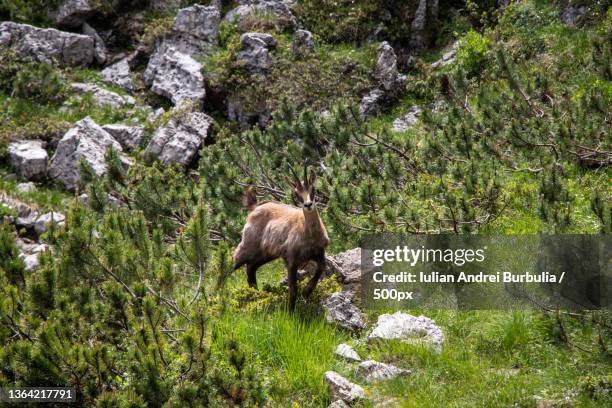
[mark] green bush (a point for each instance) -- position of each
(472, 54)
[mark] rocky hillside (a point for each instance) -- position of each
(129, 130)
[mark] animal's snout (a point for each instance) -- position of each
(308, 205)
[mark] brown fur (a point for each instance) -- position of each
(275, 230)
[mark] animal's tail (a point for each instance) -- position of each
(249, 200)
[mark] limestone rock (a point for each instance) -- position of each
(28, 158)
(408, 120)
(101, 96)
(25, 187)
(372, 103)
(42, 223)
(29, 251)
(342, 389)
(374, 371)
(277, 9)
(572, 14)
(129, 137)
(447, 58)
(85, 141)
(195, 30)
(255, 56)
(339, 404)
(176, 76)
(408, 328)
(180, 139)
(73, 13)
(340, 310)
(423, 23)
(47, 45)
(100, 51)
(302, 43)
(391, 81)
(347, 352)
(118, 74)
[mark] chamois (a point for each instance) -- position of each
(275, 230)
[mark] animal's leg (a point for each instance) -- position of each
(292, 283)
(252, 275)
(315, 278)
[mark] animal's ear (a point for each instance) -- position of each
(312, 179)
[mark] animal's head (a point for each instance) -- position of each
(304, 192)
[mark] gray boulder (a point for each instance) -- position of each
(347, 352)
(407, 328)
(28, 158)
(386, 70)
(195, 30)
(424, 23)
(572, 14)
(255, 56)
(101, 96)
(448, 57)
(100, 51)
(302, 43)
(118, 74)
(342, 389)
(47, 44)
(85, 141)
(278, 10)
(29, 252)
(43, 222)
(176, 76)
(372, 103)
(129, 137)
(28, 187)
(374, 371)
(73, 13)
(408, 120)
(339, 404)
(340, 310)
(180, 139)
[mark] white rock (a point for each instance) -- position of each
(345, 351)
(302, 43)
(85, 141)
(340, 310)
(28, 158)
(339, 404)
(100, 51)
(408, 120)
(118, 74)
(175, 75)
(180, 139)
(372, 102)
(101, 96)
(276, 8)
(391, 81)
(26, 187)
(47, 44)
(342, 389)
(255, 55)
(128, 136)
(374, 371)
(408, 328)
(72, 13)
(195, 30)
(155, 115)
(42, 223)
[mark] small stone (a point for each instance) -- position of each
(408, 120)
(302, 43)
(28, 158)
(340, 310)
(342, 389)
(372, 103)
(42, 223)
(118, 74)
(339, 404)
(374, 371)
(255, 56)
(101, 96)
(100, 51)
(407, 328)
(26, 187)
(345, 351)
(129, 137)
